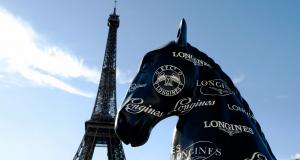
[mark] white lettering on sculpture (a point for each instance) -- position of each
(200, 150)
(136, 106)
(257, 156)
(215, 87)
(191, 58)
(185, 105)
(134, 86)
(240, 109)
(231, 129)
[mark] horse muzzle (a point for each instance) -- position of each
(132, 129)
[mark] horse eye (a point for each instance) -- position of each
(146, 66)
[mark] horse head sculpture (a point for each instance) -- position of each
(215, 122)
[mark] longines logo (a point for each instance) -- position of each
(240, 109)
(134, 86)
(201, 150)
(257, 156)
(191, 58)
(215, 87)
(231, 129)
(185, 105)
(168, 80)
(136, 106)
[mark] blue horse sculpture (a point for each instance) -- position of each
(215, 122)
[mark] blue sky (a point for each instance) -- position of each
(51, 54)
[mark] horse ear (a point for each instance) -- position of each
(181, 34)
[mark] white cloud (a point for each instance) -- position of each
(22, 55)
(296, 157)
(124, 77)
(239, 79)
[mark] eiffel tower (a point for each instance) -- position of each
(99, 130)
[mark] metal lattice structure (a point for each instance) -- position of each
(99, 130)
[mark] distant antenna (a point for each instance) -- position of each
(116, 3)
(115, 6)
